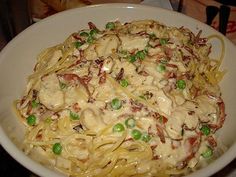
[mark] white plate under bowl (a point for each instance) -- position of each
(19, 56)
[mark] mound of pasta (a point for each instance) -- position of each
(134, 99)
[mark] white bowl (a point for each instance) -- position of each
(19, 56)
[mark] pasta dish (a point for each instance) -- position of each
(133, 99)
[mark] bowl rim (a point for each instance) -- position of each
(41, 170)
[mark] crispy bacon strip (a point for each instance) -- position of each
(171, 65)
(212, 142)
(120, 74)
(135, 106)
(77, 36)
(169, 75)
(160, 133)
(191, 52)
(143, 33)
(198, 40)
(75, 77)
(169, 52)
(76, 107)
(102, 78)
(143, 73)
(156, 157)
(92, 25)
(192, 145)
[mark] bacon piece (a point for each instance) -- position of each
(128, 139)
(120, 74)
(81, 53)
(169, 75)
(22, 101)
(143, 33)
(98, 61)
(198, 40)
(34, 94)
(143, 73)
(194, 92)
(163, 119)
(82, 81)
(192, 144)
(212, 142)
(156, 157)
(135, 106)
(186, 59)
(86, 79)
(102, 78)
(75, 64)
(92, 25)
(29, 109)
(69, 77)
(191, 52)
(77, 37)
(160, 133)
(39, 136)
(171, 65)
(76, 107)
(153, 147)
(169, 52)
(125, 115)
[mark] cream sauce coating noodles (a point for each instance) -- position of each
(134, 99)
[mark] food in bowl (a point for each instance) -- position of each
(134, 99)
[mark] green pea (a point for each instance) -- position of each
(208, 153)
(130, 122)
(90, 40)
(143, 97)
(57, 148)
(205, 130)
(181, 84)
(78, 44)
(163, 61)
(118, 127)
(93, 32)
(31, 120)
(74, 116)
(136, 134)
(110, 25)
(124, 83)
(34, 104)
(146, 137)
(163, 41)
(84, 34)
(62, 85)
(152, 36)
(116, 103)
(161, 68)
(140, 55)
(146, 49)
(132, 58)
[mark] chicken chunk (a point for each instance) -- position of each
(50, 94)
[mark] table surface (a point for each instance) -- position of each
(10, 168)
